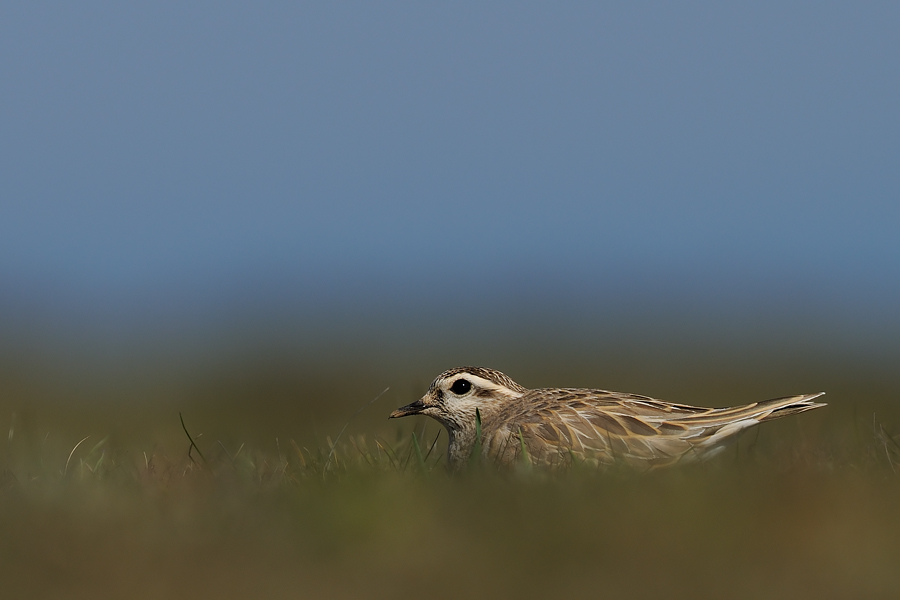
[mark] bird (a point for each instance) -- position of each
(485, 409)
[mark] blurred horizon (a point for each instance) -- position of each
(516, 184)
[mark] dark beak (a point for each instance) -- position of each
(410, 409)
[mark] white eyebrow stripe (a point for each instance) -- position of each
(476, 380)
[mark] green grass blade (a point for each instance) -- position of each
(475, 457)
(419, 457)
(524, 457)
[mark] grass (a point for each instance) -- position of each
(802, 509)
(283, 487)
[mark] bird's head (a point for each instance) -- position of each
(455, 395)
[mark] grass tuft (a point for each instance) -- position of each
(337, 518)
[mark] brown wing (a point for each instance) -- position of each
(557, 426)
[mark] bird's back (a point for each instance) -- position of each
(559, 425)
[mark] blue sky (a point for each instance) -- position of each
(179, 158)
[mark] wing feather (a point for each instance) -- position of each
(556, 425)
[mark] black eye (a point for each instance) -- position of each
(460, 387)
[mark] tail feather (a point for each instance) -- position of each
(758, 411)
(734, 420)
(792, 405)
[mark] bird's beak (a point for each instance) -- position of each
(410, 409)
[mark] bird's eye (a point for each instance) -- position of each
(460, 387)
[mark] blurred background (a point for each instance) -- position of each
(262, 215)
(297, 205)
